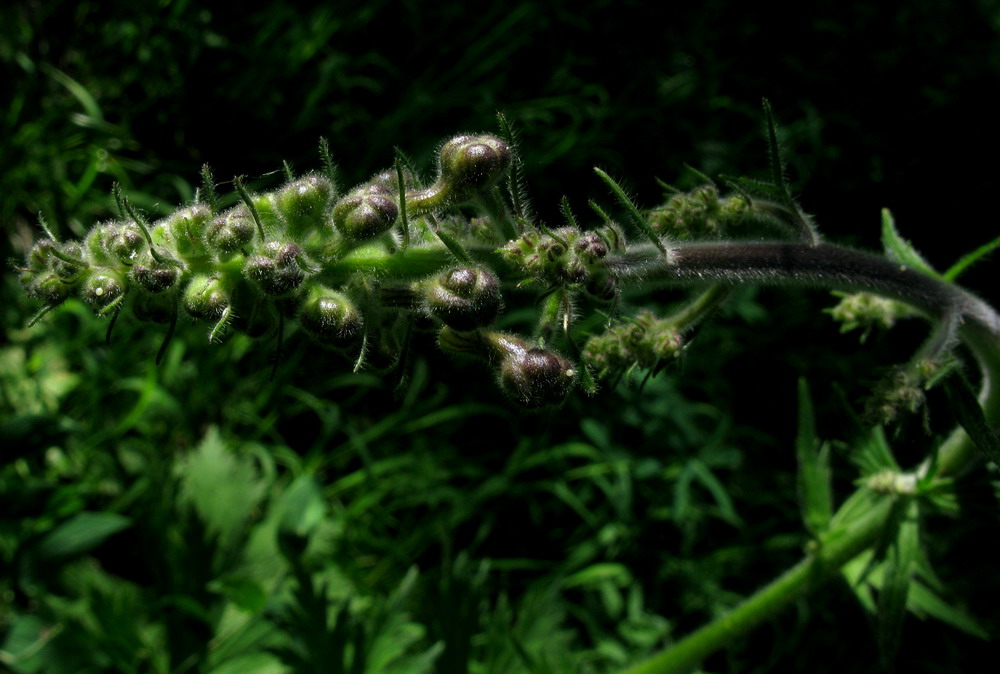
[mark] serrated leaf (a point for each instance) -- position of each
(900, 249)
(897, 577)
(815, 499)
(223, 488)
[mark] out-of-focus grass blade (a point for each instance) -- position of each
(814, 469)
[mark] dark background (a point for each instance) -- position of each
(881, 105)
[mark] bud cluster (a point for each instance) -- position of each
(700, 213)
(567, 256)
(643, 341)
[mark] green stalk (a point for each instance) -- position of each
(807, 575)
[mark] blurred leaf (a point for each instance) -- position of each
(897, 577)
(965, 406)
(79, 534)
(871, 453)
(815, 498)
(302, 507)
(223, 488)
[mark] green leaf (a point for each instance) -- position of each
(815, 498)
(900, 249)
(969, 259)
(964, 405)
(631, 209)
(223, 488)
(897, 577)
(79, 534)
(302, 507)
(924, 600)
(872, 454)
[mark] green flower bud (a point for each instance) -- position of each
(472, 163)
(463, 298)
(365, 213)
(277, 271)
(47, 286)
(154, 278)
(206, 297)
(184, 230)
(330, 318)
(69, 271)
(40, 255)
(230, 231)
(304, 202)
(102, 288)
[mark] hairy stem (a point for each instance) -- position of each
(837, 268)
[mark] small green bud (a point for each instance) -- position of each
(185, 229)
(303, 203)
(365, 213)
(47, 286)
(330, 318)
(206, 297)
(277, 271)
(463, 298)
(230, 231)
(472, 163)
(102, 288)
(69, 271)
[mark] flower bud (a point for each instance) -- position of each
(47, 286)
(206, 297)
(69, 271)
(277, 272)
(365, 213)
(102, 288)
(463, 298)
(154, 278)
(185, 229)
(536, 377)
(230, 231)
(471, 163)
(303, 203)
(532, 376)
(330, 318)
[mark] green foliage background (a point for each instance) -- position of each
(197, 517)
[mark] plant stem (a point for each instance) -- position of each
(805, 576)
(835, 268)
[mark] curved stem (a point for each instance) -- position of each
(833, 267)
